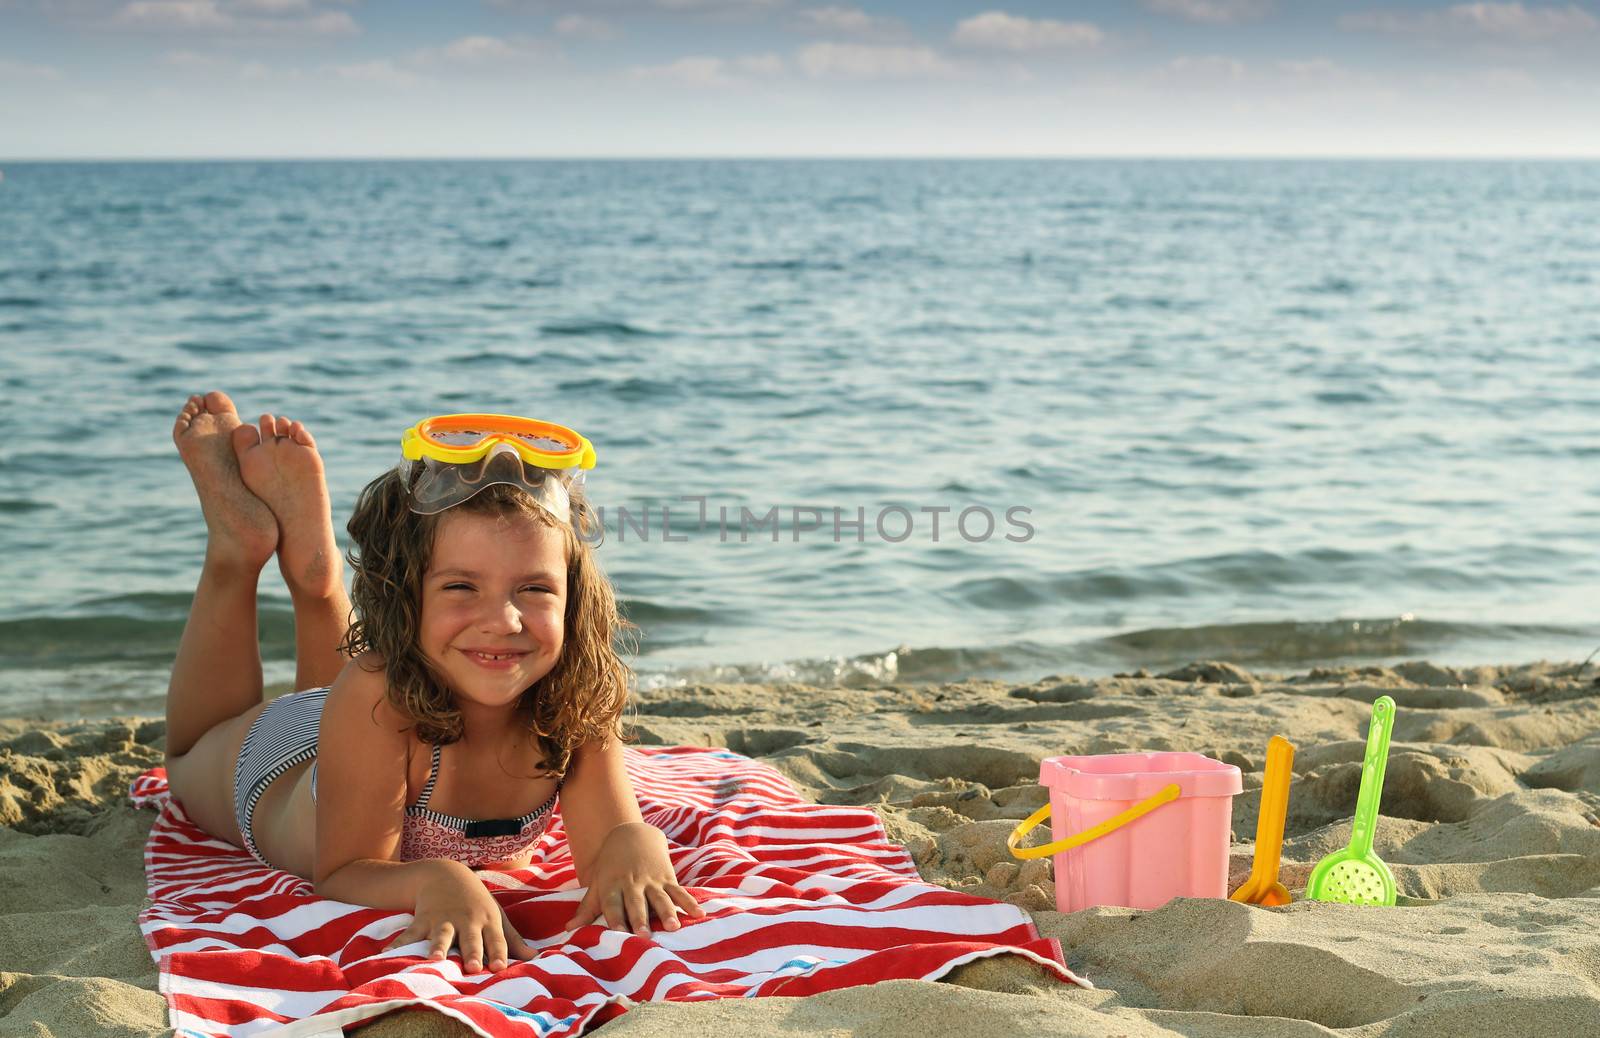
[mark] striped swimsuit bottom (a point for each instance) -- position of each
(284, 736)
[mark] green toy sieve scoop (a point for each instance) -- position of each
(1355, 875)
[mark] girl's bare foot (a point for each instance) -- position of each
(279, 462)
(241, 529)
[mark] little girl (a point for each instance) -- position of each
(477, 683)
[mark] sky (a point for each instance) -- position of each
(686, 78)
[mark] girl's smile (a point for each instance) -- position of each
(495, 659)
(493, 605)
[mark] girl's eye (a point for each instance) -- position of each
(458, 587)
(535, 587)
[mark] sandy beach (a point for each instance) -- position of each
(1490, 821)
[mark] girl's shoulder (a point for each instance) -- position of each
(362, 687)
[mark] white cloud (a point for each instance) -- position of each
(462, 57)
(1313, 72)
(584, 28)
(275, 6)
(762, 65)
(215, 64)
(479, 52)
(1509, 79)
(1514, 22)
(239, 17)
(475, 49)
(733, 8)
(25, 71)
(190, 59)
(328, 23)
(868, 61)
(1215, 12)
(174, 14)
(717, 5)
(997, 30)
(697, 72)
(714, 73)
(1208, 70)
(834, 20)
(382, 72)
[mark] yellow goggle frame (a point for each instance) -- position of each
(461, 439)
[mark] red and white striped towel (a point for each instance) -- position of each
(800, 898)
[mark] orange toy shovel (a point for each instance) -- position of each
(1263, 888)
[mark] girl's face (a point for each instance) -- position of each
(493, 605)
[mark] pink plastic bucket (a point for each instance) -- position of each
(1164, 821)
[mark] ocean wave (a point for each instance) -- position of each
(1332, 286)
(19, 506)
(490, 358)
(602, 329)
(629, 389)
(1289, 643)
(143, 628)
(826, 672)
(1255, 572)
(643, 611)
(788, 265)
(1282, 645)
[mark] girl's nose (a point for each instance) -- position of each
(502, 617)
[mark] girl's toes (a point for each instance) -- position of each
(185, 416)
(245, 437)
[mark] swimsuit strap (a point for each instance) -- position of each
(433, 776)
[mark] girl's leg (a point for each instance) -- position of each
(279, 464)
(217, 673)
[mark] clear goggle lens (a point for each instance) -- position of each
(434, 486)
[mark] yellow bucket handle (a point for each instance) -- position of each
(1167, 795)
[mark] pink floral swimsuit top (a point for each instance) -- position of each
(471, 841)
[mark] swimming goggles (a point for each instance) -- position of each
(449, 458)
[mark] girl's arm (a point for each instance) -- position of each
(622, 860)
(362, 756)
(596, 797)
(362, 759)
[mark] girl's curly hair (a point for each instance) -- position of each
(583, 696)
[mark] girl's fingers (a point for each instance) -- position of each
(586, 911)
(516, 947)
(662, 905)
(615, 912)
(410, 934)
(494, 946)
(439, 947)
(630, 909)
(638, 912)
(685, 900)
(471, 944)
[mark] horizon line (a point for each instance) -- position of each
(999, 157)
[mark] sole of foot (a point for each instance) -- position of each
(279, 463)
(242, 531)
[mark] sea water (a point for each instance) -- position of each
(1284, 413)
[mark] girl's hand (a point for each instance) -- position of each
(453, 906)
(632, 878)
